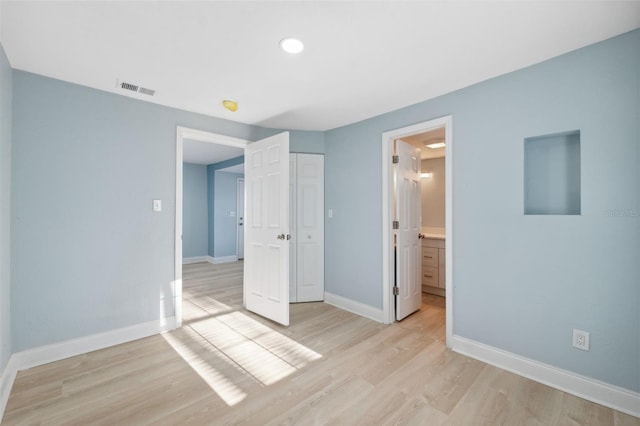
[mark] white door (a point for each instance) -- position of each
(266, 266)
(309, 227)
(408, 244)
(293, 261)
(240, 209)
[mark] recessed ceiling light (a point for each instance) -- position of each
(291, 45)
(436, 145)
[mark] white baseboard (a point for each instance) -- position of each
(57, 351)
(599, 392)
(6, 383)
(354, 307)
(225, 259)
(197, 259)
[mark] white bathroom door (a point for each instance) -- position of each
(266, 264)
(309, 227)
(408, 243)
(240, 216)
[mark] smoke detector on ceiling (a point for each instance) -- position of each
(132, 87)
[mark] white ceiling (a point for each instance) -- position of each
(361, 58)
(198, 152)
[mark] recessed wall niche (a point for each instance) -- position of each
(552, 174)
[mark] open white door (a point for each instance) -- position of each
(408, 216)
(266, 264)
(240, 216)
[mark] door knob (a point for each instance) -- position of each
(281, 237)
(421, 236)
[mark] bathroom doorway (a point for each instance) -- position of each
(437, 230)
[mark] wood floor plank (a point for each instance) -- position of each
(229, 366)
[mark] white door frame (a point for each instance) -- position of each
(387, 215)
(238, 195)
(183, 133)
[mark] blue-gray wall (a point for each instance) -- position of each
(211, 200)
(520, 283)
(6, 88)
(195, 223)
(225, 195)
(309, 142)
(88, 252)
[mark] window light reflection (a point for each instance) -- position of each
(235, 344)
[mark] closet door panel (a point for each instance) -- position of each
(310, 227)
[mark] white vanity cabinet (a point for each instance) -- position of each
(306, 224)
(433, 266)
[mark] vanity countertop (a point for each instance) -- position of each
(434, 233)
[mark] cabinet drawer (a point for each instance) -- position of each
(429, 256)
(432, 242)
(430, 276)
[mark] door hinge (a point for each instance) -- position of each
(396, 224)
(396, 290)
(395, 159)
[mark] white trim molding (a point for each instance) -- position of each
(61, 350)
(225, 259)
(56, 351)
(6, 383)
(197, 259)
(611, 396)
(354, 307)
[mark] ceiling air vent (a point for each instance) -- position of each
(135, 88)
(129, 86)
(146, 91)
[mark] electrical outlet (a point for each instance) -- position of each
(581, 339)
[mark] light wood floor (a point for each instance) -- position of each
(228, 366)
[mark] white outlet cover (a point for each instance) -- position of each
(581, 339)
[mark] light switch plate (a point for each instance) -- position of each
(157, 205)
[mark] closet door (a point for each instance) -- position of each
(309, 235)
(293, 196)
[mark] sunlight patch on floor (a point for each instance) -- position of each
(211, 305)
(279, 345)
(225, 388)
(257, 360)
(203, 308)
(218, 347)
